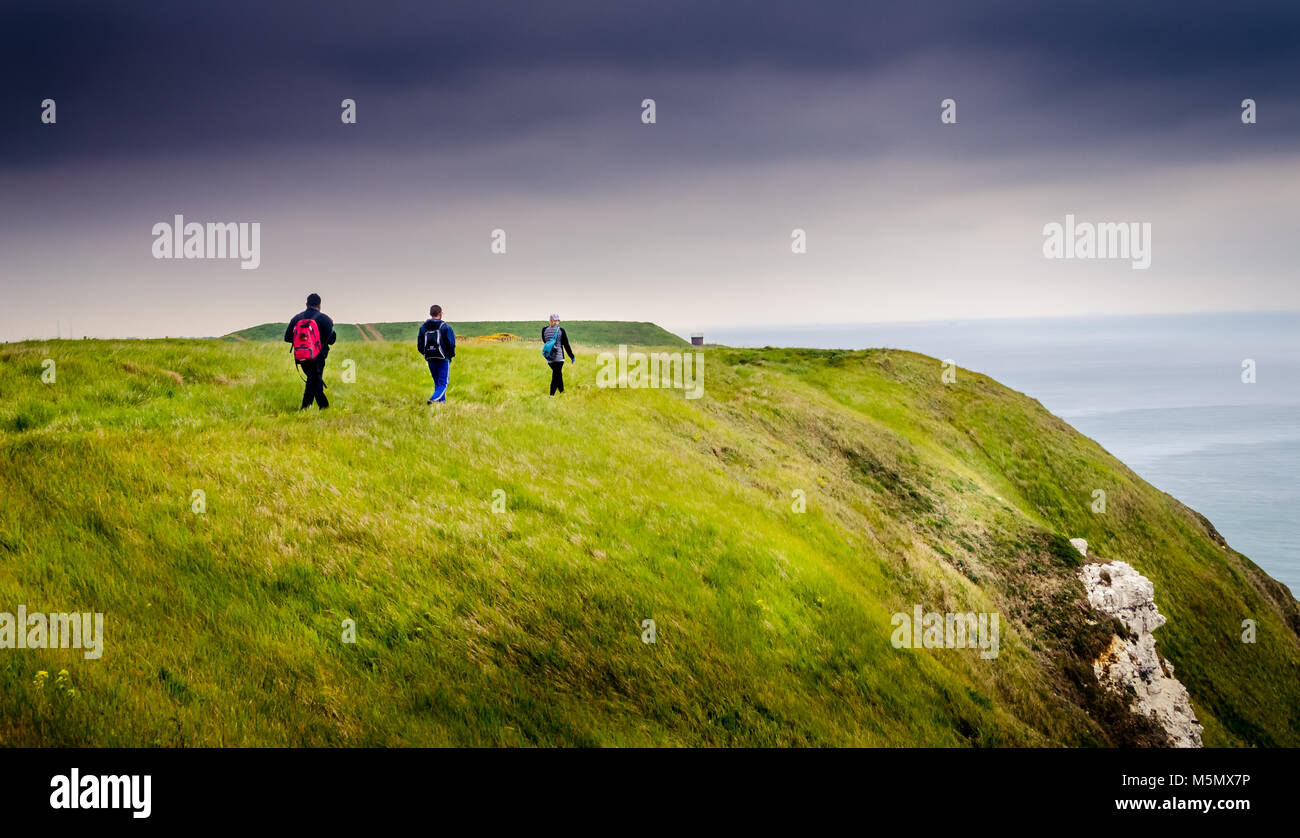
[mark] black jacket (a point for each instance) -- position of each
(323, 322)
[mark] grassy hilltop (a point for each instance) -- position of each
(606, 332)
(477, 628)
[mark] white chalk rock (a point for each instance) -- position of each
(1119, 591)
(1080, 544)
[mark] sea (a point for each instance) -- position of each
(1204, 406)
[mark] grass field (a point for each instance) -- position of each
(606, 332)
(524, 627)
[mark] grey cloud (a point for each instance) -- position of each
(140, 80)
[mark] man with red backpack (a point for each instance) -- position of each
(312, 334)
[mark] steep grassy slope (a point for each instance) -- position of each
(590, 331)
(524, 627)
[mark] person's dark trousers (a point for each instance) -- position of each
(315, 390)
(557, 376)
(440, 369)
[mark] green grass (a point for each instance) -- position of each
(601, 332)
(523, 628)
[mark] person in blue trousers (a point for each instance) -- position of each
(437, 343)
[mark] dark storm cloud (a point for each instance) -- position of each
(137, 80)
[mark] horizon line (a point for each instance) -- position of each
(743, 326)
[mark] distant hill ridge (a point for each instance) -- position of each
(598, 332)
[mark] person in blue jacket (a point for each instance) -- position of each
(437, 343)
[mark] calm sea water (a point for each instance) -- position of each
(1163, 394)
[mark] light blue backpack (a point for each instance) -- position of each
(549, 346)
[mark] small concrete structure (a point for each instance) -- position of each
(697, 340)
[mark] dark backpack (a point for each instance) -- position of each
(430, 343)
(306, 340)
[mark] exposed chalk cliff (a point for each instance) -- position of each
(1116, 589)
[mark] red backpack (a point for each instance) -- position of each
(306, 340)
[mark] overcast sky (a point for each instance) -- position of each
(771, 116)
